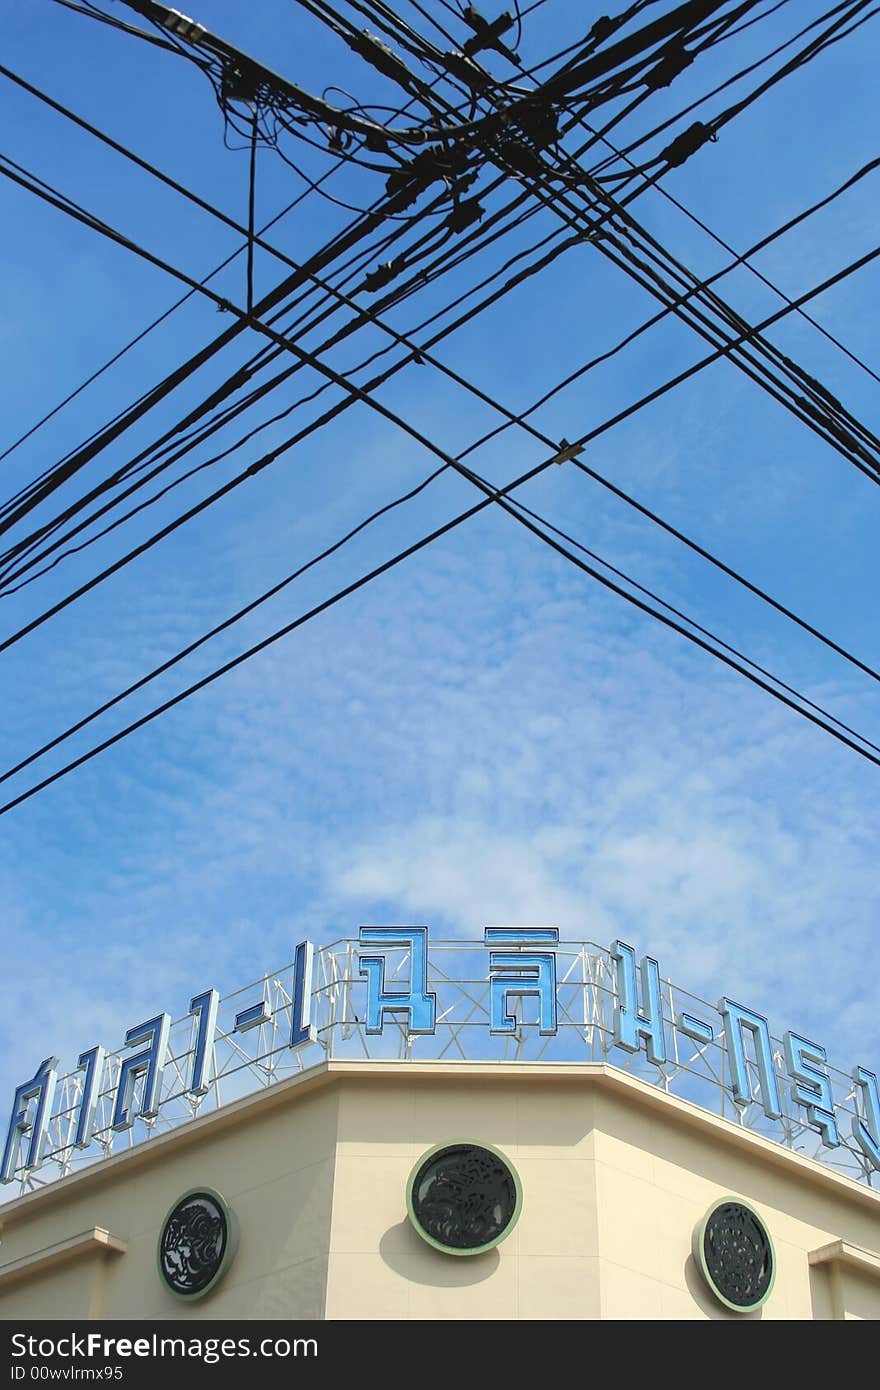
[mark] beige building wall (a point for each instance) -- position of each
(615, 1176)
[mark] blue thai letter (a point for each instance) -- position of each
(150, 1063)
(866, 1132)
(522, 973)
(632, 1022)
(806, 1063)
(419, 1006)
(736, 1019)
(41, 1090)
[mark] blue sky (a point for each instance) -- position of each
(482, 735)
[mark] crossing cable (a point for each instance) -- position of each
(520, 507)
(807, 412)
(64, 111)
(816, 390)
(237, 378)
(633, 10)
(424, 355)
(540, 436)
(728, 660)
(359, 393)
(794, 701)
(102, 132)
(385, 214)
(728, 82)
(796, 61)
(561, 550)
(340, 244)
(313, 186)
(744, 260)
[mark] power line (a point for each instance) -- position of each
(276, 636)
(633, 10)
(794, 304)
(159, 174)
(363, 395)
(708, 642)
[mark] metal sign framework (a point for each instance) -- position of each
(495, 1016)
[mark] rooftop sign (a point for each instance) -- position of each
(520, 995)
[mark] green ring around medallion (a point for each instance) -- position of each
(452, 1144)
(229, 1250)
(700, 1257)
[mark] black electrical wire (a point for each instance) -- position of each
(677, 20)
(362, 394)
(556, 201)
(498, 181)
(520, 507)
(744, 261)
(93, 13)
(635, 8)
(728, 82)
(172, 308)
(276, 636)
(726, 23)
(416, 354)
(251, 471)
(797, 703)
(341, 243)
(708, 643)
(313, 186)
(716, 653)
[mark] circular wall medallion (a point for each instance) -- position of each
(463, 1198)
(735, 1254)
(197, 1243)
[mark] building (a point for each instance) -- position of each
(349, 1189)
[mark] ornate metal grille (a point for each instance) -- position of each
(193, 1245)
(464, 1197)
(737, 1256)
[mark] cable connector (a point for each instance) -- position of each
(464, 215)
(538, 121)
(686, 144)
(814, 384)
(239, 82)
(377, 53)
(184, 26)
(523, 158)
(380, 277)
(470, 72)
(670, 66)
(602, 29)
(486, 34)
(567, 452)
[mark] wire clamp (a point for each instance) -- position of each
(567, 451)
